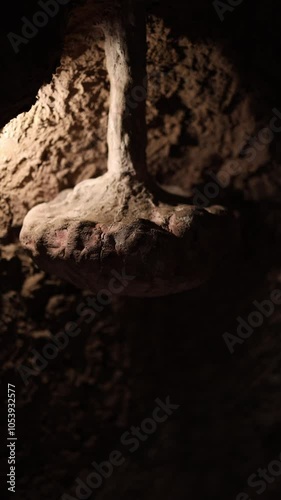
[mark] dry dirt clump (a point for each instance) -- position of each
(199, 119)
(212, 87)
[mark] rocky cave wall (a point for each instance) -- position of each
(213, 86)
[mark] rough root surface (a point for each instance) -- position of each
(107, 225)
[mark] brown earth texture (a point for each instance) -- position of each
(213, 112)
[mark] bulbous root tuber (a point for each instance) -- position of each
(122, 222)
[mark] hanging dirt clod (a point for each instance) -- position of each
(122, 222)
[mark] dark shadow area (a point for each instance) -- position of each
(30, 48)
(229, 421)
(248, 35)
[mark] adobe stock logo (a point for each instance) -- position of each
(228, 6)
(245, 329)
(87, 312)
(261, 479)
(40, 19)
(132, 440)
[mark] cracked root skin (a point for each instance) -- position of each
(111, 224)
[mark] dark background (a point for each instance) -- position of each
(75, 411)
